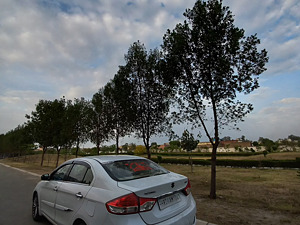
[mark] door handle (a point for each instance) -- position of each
(55, 188)
(79, 195)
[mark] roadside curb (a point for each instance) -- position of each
(24, 171)
(201, 222)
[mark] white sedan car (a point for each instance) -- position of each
(113, 190)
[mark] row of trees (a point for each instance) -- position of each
(202, 64)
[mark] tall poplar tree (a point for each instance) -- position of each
(100, 116)
(149, 96)
(210, 60)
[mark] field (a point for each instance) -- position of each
(245, 196)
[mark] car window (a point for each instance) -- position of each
(88, 178)
(133, 169)
(80, 174)
(60, 173)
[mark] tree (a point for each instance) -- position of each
(41, 124)
(101, 126)
(226, 138)
(50, 125)
(270, 145)
(77, 122)
(149, 96)
(117, 95)
(59, 126)
(294, 137)
(17, 141)
(188, 143)
(210, 60)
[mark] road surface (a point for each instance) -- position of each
(15, 197)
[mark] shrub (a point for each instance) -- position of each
(140, 150)
(159, 158)
(234, 163)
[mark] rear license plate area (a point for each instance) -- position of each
(168, 201)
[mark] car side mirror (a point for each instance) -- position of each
(45, 177)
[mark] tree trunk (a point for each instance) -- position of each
(117, 143)
(148, 152)
(44, 151)
(213, 187)
(77, 147)
(191, 162)
(146, 143)
(98, 148)
(57, 159)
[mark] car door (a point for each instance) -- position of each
(72, 192)
(48, 191)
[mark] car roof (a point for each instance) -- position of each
(110, 158)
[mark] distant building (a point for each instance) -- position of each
(225, 144)
(204, 145)
(162, 147)
(235, 143)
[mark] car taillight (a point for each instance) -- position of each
(129, 204)
(187, 189)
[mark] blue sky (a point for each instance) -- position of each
(71, 48)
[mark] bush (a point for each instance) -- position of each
(159, 158)
(140, 150)
(208, 154)
(234, 163)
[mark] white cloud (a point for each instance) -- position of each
(277, 25)
(55, 48)
(275, 121)
(15, 105)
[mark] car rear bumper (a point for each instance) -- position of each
(187, 217)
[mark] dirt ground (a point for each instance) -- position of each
(245, 196)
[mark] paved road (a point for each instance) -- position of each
(16, 188)
(15, 197)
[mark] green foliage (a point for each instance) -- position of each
(175, 145)
(235, 163)
(18, 141)
(294, 137)
(125, 147)
(154, 147)
(140, 150)
(122, 114)
(148, 96)
(188, 142)
(131, 148)
(269, 144)
(159, 158)
(77, 122)
(207, 154)
(101, 126)
(108, 149)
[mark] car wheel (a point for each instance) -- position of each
(35, 208)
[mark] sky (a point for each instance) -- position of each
(55, 48)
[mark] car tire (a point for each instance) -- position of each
(80, 223)
(35, 208)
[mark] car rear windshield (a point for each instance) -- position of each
(133, 169)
